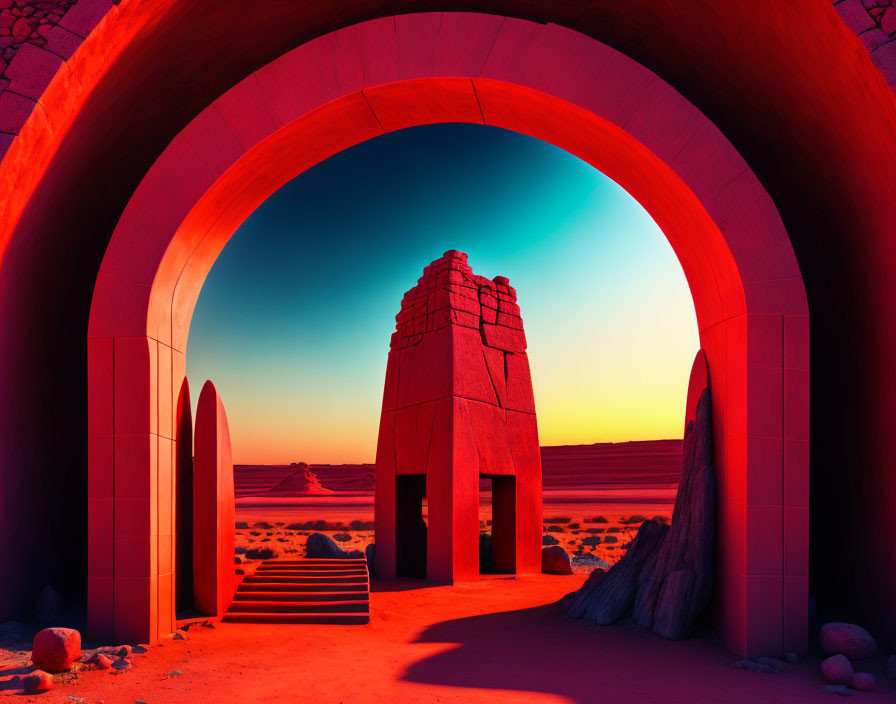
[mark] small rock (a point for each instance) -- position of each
(175, 673)
(840, 689)
(771, 662)
(139, 649)
(47, 606)
(37, 681)
(55, 649)
(122, 664)
(791, 658)
(103, 662)
(549, 540)
(123, 651)
(837, 669)
(863, 681)
(555, 560)
(847, 639)
(178, 636)
(208, 624)
(753, 666)
(76, 699)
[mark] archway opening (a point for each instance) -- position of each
(293, 318)
(740, 267)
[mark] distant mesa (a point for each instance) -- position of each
(302, 480)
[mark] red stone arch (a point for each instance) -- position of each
(542, 80)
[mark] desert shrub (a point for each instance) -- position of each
(595, 531)
(598, 519)
(593, 540)
(614, 529)
(264, 525)
(254, 532)
(611, 539)
(361, 525)
(341, 537)
(574, 526)
(261, 553)
(549, 540)
(560, 519)
(555, 529)
(631, 520)
(240, 549)
(241, 525)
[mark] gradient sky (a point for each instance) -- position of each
(294, 320)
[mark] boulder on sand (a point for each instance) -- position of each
(320, 545)
(55, 649)
(863, 682)
(847, 639)
(837, 669)
(37, 681)
(555, 560)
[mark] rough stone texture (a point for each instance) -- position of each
(610, 597)
(848, 639)
(666, 575)
(676, 588)
(837, 669)
(457, 406)
(555, 560)
(55, 649)
(37, 681)
(874, 21)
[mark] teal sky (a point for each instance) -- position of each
(294, 320)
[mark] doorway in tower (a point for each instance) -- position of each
(497, 524)
(410, 525)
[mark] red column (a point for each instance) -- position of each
(213, 507)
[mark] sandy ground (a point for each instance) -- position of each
(498, 640)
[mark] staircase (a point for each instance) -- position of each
(304, 591)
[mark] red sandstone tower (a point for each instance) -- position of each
(457, 407)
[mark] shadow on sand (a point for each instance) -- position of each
(540, 650)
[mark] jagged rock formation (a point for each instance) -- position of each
(608, 600)
(302, 481)
(678, 584)
(665, 578)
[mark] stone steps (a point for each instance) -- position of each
(304, 591)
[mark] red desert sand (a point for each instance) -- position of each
(498, 640)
